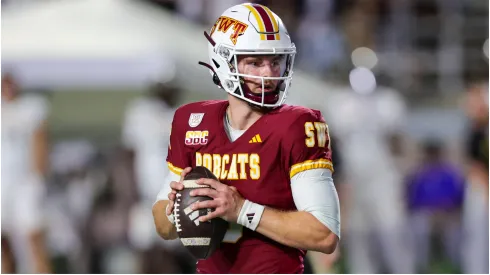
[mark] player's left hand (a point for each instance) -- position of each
(227, 202)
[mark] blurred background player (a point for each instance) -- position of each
(434, 194)
(146, 133)
(375, 219)
(475, 247)
(24, 166)
(145, 136)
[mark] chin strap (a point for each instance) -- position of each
(215, 76)
(209, 38)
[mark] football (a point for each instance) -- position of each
(200, 238)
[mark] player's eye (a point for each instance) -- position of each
(278, 61)
(253, 62)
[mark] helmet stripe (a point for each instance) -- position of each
(259, 21)
(274, 21)
(267, 21)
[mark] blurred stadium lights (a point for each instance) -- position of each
(485, 48)
(362, 80)
(364, 57)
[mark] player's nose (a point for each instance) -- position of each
(268, 70)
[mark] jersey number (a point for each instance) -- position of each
(317, 134)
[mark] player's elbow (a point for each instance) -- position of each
(328, 244)
(164, 233)
(163, 227)
(325, 240)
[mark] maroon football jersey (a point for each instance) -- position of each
(260, 164)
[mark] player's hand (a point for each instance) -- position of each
(176, 186)
(227, 202)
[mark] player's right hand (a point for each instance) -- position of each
(176, 186)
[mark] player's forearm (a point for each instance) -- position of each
(164, 227)
(297, 229)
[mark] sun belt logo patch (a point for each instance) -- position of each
(195, 119)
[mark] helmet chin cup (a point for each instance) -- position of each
(269, 97)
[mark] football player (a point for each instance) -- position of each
(273, 161)
(24, 165)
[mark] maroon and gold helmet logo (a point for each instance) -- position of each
(224, 23)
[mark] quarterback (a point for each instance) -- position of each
(273, 161)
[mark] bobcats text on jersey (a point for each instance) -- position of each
(241, 166)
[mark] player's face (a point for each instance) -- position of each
(261, 65)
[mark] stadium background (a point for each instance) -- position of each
(93, 59)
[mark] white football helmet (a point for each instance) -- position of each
(249, 29)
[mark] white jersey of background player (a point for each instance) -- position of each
(146, 131)
(23, 168)
(363, 121)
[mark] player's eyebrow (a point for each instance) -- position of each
(254, 59)
(262, 58)
(278, 57)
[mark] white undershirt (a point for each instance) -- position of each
(233, 134)
(313, 191)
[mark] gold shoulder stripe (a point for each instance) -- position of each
(310, 164)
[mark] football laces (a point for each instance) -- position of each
(176, 213)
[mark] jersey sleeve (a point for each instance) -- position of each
(177, 158)
(307, 144)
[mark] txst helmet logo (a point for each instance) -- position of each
(224, 23)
